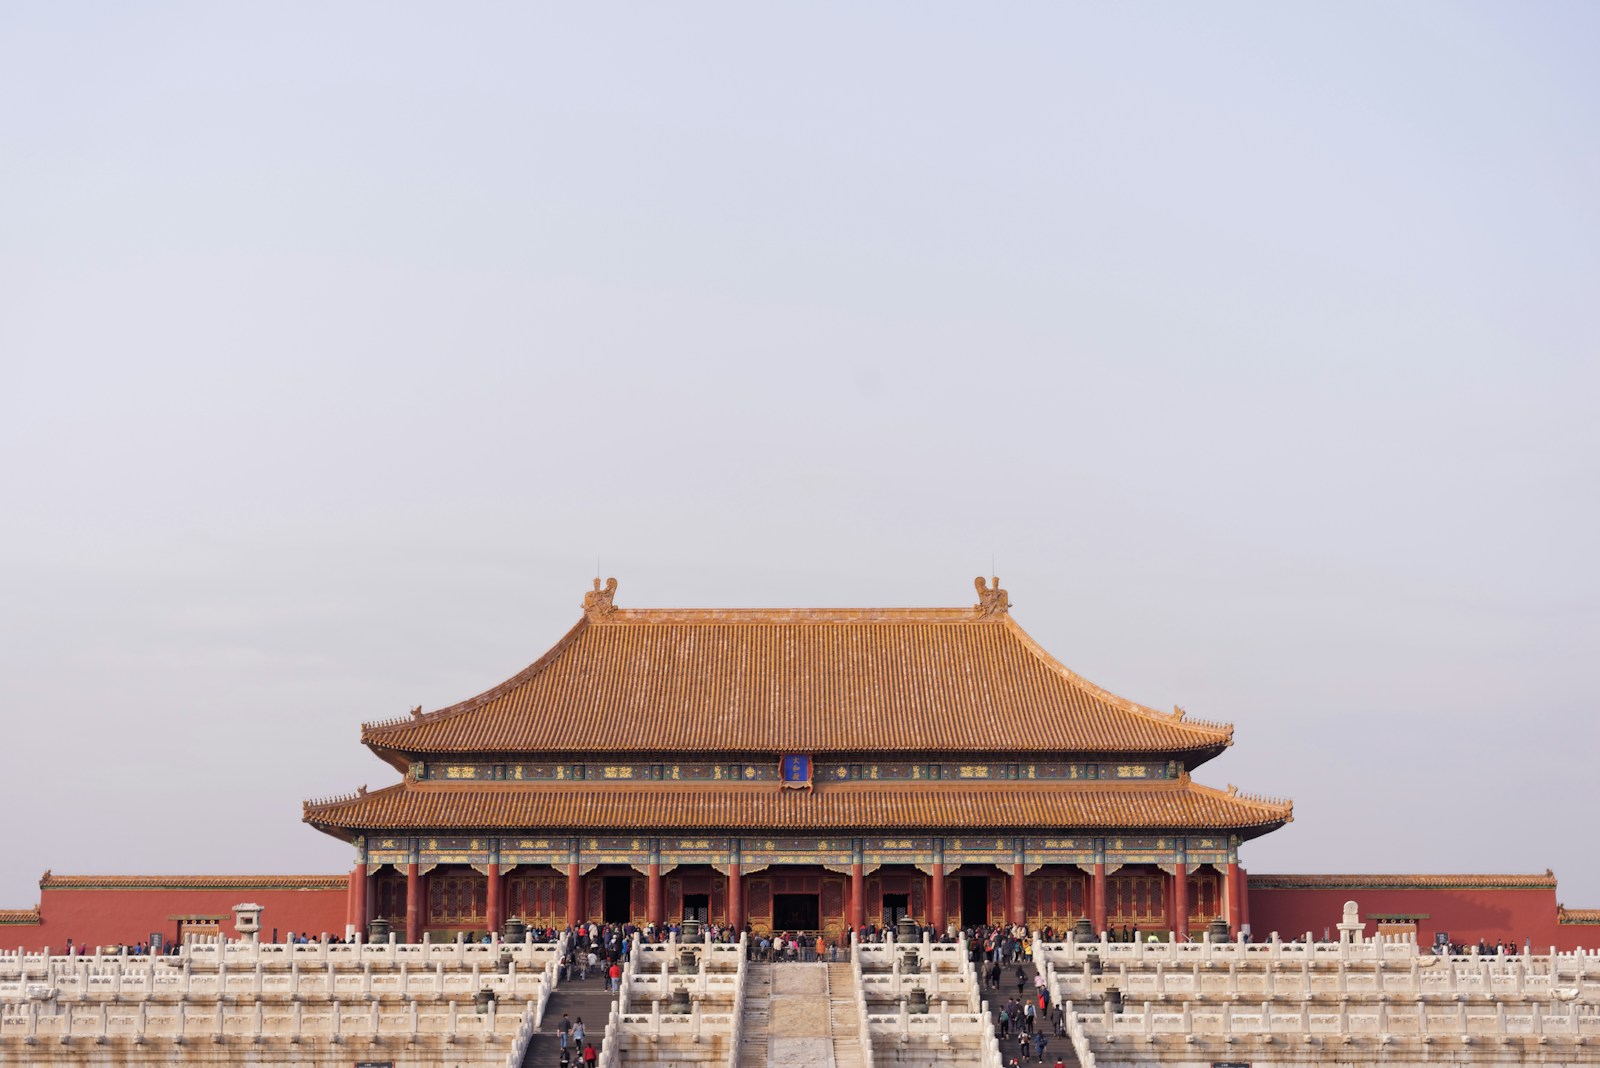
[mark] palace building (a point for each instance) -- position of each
(814, 769)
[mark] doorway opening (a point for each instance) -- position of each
(619, 899)
(796, 912)
(895, 906)
(974, 900)
(697, 907)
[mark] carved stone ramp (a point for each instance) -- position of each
(798, 1027)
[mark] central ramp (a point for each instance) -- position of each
(799, 1027)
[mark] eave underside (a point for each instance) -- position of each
(1181, 806)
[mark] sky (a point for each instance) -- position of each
(1254, 347)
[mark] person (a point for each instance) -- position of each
(614, 978)
(577, 1032)
(1039, 1043)
(564, 1029)
(590, 1056)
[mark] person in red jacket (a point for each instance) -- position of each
(589, 1055)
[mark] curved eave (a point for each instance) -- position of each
(1177, 807)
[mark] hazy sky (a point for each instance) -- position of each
(1255, 344)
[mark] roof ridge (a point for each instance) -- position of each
(1176, 716)
(334, 800)
(449, 711)
(711, 616)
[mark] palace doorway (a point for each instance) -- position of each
(895, 906)
(697, 907)
(618, 901)
(974, 900)
(796, 912)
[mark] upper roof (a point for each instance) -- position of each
(796, 680)
(1170, 805)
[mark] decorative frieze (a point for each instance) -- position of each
(590, 852)
(771, 771)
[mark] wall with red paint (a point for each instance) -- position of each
(96, 916)
(1467, 914)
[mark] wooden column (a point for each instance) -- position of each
(496, 917)
(413, 902)
(654, 906)
(936, 911)
(1180, 902)
(1232, 891)
(1019, 895)
(1097, 898)
(574, 895)
(735, 898)
(1244, 898)
(358, 899)
(858, 897)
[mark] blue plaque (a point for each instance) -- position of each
(795, 770)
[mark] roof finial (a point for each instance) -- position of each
(992, 600)
(597, 603)
(416, 712)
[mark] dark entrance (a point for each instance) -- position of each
(697, 907)
(974, 900)
(894, 907)
(619, 898)
(796, 912)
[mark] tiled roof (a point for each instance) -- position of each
(19, 917)
(437, 806)
(1547, 881)
(1567, 915)
(803, 681)
(192, 882)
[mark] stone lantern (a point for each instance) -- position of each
(247, 921)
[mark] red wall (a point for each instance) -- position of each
(97, 916)
(1467, 913)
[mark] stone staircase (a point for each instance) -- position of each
(1059, 1046)
(580, 999)
(843, 1017)
(756, 1015)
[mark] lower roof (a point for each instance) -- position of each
(51, 881)
(1546, 881)
(1179, 804)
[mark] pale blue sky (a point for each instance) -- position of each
(1255, 343)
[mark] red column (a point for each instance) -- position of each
(358, 898)
(1180, 902)
(496, 920)
(574, 898)
(858, 898)
(1019, 900)
(1232, 891)
(413, 902)
(654, 908)
(936, 918)
(735, 898)
(1097, 899)
(1244, 898)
